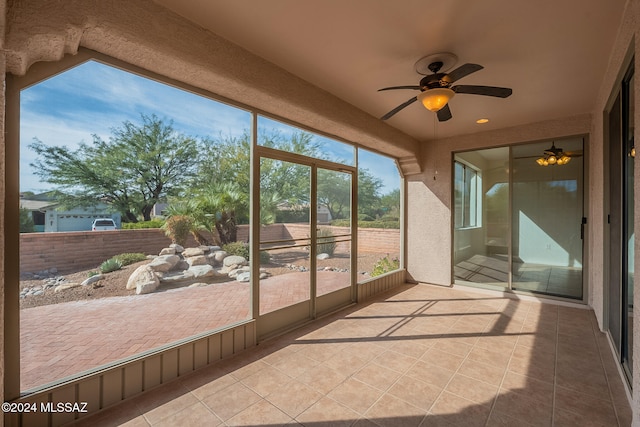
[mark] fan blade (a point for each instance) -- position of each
(500, 92)
(463, 71)
(398, 108)
(414, 87)
(444, 113)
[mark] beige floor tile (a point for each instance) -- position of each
(377, 376)
(170, 408)
(263, 382)
(450, 409)
(356, 395)
(418, 393)
(520, 406)
(232, 400)
(293, 397)
(471, 389)
(431, 374)
(195, 415)
(536, 390)
(490, 357)
(396, 361)
(390, 411)
(490, 374)
(443, 359)
(598, 410)
(322, 378)
(328, 413)
(260, 413)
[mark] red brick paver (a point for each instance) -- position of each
(66, 339)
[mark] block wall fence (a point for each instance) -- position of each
(69, 251)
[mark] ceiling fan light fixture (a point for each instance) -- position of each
(435, 99)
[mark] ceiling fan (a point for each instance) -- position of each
(436, 88)
(554, 156)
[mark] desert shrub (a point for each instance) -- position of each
(327, 243)
(364, 217)
(154, 223)
(292, 216)
(92, 273)
(128, 258)
(265, 257)
(237, 248)
(110, 265)
(385, 265)
(177, 228)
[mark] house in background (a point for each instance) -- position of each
(48, 217)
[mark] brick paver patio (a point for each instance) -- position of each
(66, 339)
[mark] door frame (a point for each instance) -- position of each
(288, 318)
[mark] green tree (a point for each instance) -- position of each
(138, 166)
(26, 221)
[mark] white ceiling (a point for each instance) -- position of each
(553, 54)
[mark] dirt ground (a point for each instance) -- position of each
(114, 283)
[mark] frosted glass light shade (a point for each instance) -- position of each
(435, 99)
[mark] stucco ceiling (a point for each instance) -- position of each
(552, 53)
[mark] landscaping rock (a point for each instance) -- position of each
(214, 248)
(234, 273)
(181, 265)
(164, 263)
(197, 260)
(234, 260)
(199, 271)
(190, 252)
(323, 256)
(141, 276)
(204, 248)
(168, 251)
(146, 288)
(244, 276)
(60, 288)
(179, 249)
(178, 276)
(219, 256)
(92, 279)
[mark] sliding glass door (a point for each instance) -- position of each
(518, 221)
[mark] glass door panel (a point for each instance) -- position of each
(547, 211)
(333, 248)
(481, 217)
(285, 237)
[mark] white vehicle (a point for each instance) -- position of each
(103, 224)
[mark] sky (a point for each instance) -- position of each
(93, 98)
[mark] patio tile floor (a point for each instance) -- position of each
(486, 361)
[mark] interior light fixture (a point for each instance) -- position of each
(435, 99)
(481, 121)
(553, 156)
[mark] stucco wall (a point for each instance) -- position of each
(623, 49)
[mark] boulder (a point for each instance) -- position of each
(214, 248)
(234, 273)
(204, 248)
(168, 251)
(146, 288)
(234, 260)
(197, 260)
(244, 276)
(60, 288)
(189, 252)
(323, 256)
(179, 249)
(219, 256)
(164, 263)
(181, 265)
(142, 275)
(199, 271)
(92, 279)
(178, 276)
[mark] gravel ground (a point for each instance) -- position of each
(114, 283)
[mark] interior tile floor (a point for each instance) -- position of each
(537, 278)
(421, 355)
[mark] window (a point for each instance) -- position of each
(467, 189)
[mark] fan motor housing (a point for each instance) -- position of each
(433, 81)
